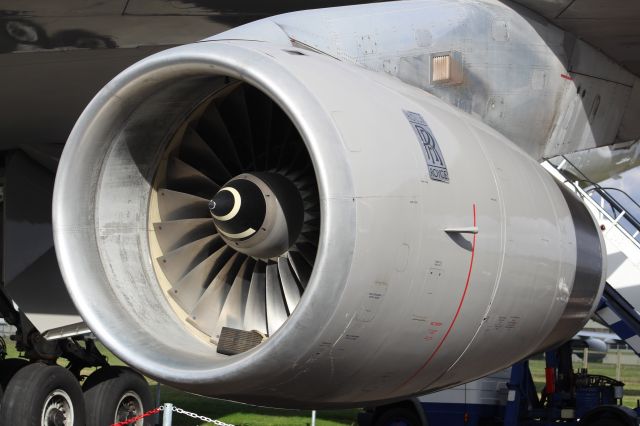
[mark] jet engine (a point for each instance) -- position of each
(271, 225)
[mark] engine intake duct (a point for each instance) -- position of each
(238, 218)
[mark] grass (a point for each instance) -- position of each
(236, 413)
(245, 415)
(248, 415)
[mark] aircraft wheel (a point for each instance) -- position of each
(114, 394)
(46, 395)
(610, 415)
(398, 416)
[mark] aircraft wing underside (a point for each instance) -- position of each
(612, 26)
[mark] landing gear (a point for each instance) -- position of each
(40, 394)
(114, 394)
(399, 417)
(402, 414)
(34, 391)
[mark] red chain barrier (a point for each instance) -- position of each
(141, 416)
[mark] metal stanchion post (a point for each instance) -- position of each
(156, 420)
(167, 414)
(313, 418)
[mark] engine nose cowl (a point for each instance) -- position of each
(258, 214)
(238, 209)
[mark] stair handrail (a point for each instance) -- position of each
(603, 192)
(586, 196)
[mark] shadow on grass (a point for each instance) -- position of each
(242, 414)
(236, 413)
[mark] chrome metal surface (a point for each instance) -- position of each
(129, 406)
(384, 281)
(58, 409)
(534, 83)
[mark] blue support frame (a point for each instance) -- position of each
(522, 395)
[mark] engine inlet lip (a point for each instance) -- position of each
(74, 229)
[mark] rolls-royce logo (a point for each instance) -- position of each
(430, 148)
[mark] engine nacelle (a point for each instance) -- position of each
(432, 251)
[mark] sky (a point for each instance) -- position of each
(629, 182)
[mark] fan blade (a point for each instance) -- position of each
(312, 217)
(184, 178)
(197, 153)
(175, 205)
(280, 126)
(308, 195)
(307, 227)
(312, 207)
(287, 138)
(312, 221)
(190, 288)
(177, 263)
(205, 314)
(310, 237)
(302, 180)
(213, 129)
(289, 285)
(232, 314)
(299, 157)
(310, 198)
(276, 309)
(176, 233)
(308, 252)
(255, 317)
(261, 112)
(235, 114)
(300, 267)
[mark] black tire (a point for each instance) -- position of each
(109, 391)
(608, 422)
(40, 391)
(603, 422)
(610, 415)
(8, 368)
(398, 416)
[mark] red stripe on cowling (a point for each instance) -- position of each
(455, 317)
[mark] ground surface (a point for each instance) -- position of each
(246, 415)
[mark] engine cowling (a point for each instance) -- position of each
(383, 243)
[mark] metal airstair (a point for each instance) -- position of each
(620, 304)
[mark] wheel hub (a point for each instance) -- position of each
(129, 406)
(57, 409)
(56, 417)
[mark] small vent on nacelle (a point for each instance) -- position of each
(446, 68)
